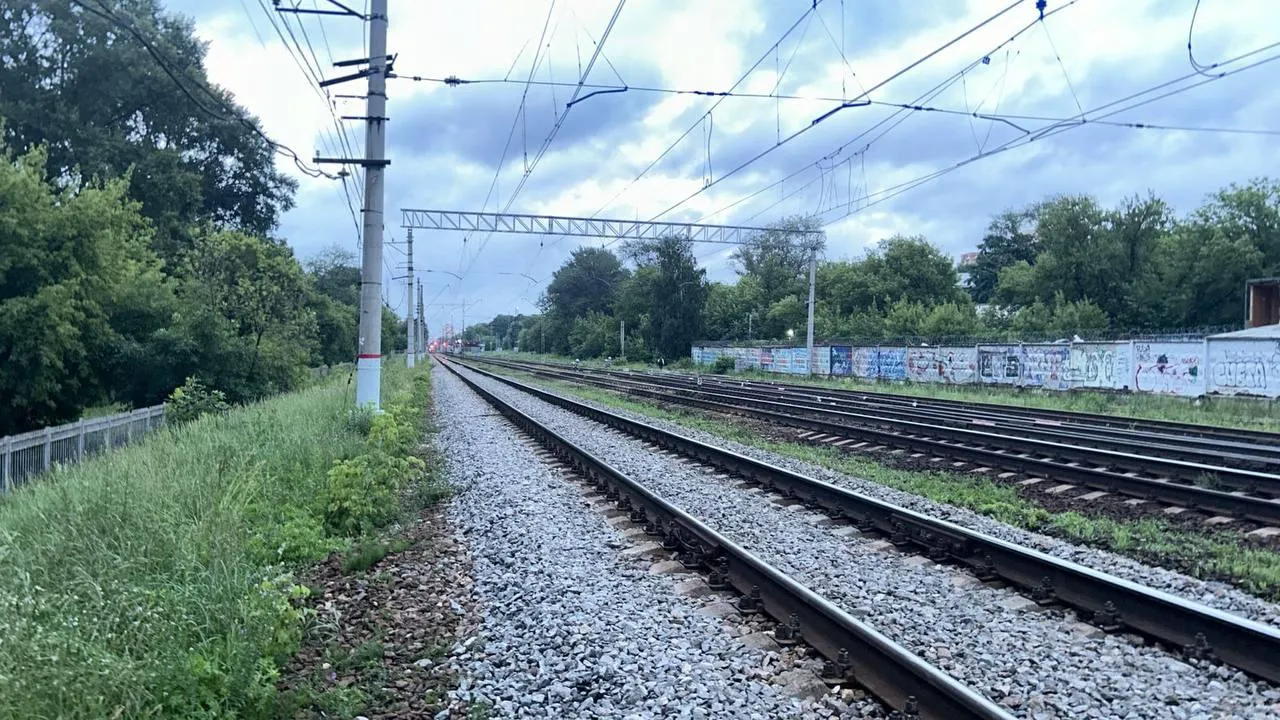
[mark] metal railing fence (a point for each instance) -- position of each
(28, 454)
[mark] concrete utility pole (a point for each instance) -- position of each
(369, 360)
(622, 339)
(813, 278)
(422, 324)
(410, 322)
(369, 352)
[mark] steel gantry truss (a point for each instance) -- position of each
(602, 228)
(579, 226)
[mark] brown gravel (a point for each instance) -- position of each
(411, 605)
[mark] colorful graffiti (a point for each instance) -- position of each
(1229, 366)
(822, 360)
(866, 362)
(1169, 368)
(944, 364)
(842, 360)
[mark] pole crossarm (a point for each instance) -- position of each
(580, 226)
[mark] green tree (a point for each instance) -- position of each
(910, 269)
(586, 283)
(79, 82)
(1008, 240)
(675, 291)
(78, 289)
(255, 292)
(726, 313)
(1017, 285)
(777, 261)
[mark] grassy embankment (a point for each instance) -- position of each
(1250, 413)
(1210, 554)
(157, 580)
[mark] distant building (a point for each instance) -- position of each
(967, 261)
(1262, 302)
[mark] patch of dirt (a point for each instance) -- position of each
(379, 642)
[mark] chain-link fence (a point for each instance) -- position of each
(26, 455)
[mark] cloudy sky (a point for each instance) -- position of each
(446, 143)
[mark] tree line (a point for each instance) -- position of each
(137, 227)
(1061, 267)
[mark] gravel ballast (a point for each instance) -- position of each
(1038, 663)
(1211, 593)
(569, 627)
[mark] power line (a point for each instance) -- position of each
(894, 119)
(853, 103)
(235, 112)
(712, 109)
(326, 139)
(1065, 125)
(1200, 68)
(497, 172)
(546, 145)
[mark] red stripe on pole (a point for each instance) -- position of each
(368, 356)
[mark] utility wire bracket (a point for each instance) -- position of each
(342, 10)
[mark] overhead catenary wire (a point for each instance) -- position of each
(852, 103)
(555, 129)
(1063, 126)
(338, 142)
(894, 120)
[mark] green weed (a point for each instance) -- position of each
(153, 581)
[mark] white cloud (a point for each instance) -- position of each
(1106, 49)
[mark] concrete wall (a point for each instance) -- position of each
(1245, 366)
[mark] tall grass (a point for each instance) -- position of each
(150, 582)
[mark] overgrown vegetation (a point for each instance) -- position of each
(156, 580)
(1210, 555)
(138, 226)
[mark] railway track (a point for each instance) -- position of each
(854, 651)
(1135, 469)
(1113, 603)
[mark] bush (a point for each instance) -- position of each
(364, 492)
(192, 400)
(722, 365)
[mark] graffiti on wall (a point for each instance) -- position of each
(893, 363)
(746, 358)
(1169, 368)
(941, 365)
(1099, 365)
(866, 362)
(842, 360)
(1244, 367)
(766, 359)
(822, 360)
(1045, 366)
(999, 364)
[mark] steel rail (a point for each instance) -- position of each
(1193, 467)
(889, 671)
(1257, 437)
(1058, 461)
(1255, 451)
(1245, 454)
(1112, 602)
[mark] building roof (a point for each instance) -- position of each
(1262, 332)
